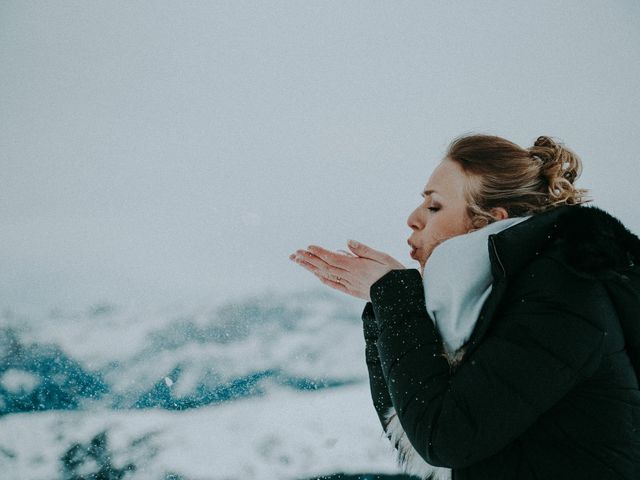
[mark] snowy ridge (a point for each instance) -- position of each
(126, 359)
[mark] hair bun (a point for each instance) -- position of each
(546, 149)
(559, 166)
(544, 141)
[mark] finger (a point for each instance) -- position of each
(307, 265)
(328, 272)
(319, 267)
(333, 259)
(362, 250)
(336, 278)
(349, 254)
(314, 260)
(336, 285)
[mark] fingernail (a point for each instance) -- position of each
(353, 243)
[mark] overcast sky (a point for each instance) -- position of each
(180, 151)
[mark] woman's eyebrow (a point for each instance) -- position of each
(427, 192)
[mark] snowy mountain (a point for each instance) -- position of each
(266, 387)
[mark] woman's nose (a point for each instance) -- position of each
(414, 221)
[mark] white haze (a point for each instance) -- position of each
(159, 152)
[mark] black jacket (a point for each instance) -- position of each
(548, 386)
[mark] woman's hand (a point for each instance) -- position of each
(351, 273)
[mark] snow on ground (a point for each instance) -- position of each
(271, 387)
(283, 435)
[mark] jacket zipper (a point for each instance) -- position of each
(495, 252)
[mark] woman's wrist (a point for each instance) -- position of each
(369, 324)
(397, 293)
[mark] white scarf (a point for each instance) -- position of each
(457, 280)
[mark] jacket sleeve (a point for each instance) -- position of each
(542, 350)
(378, 385)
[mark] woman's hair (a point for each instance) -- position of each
(522, 181)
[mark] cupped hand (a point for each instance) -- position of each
(351, 273)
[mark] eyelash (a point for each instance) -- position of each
(432, 209)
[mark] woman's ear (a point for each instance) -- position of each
(499, 213)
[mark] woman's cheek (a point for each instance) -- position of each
(431, 246)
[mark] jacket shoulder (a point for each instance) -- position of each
(595, 242)
(588, 240)
(549, 282)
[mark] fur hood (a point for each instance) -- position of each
(596, 241)
(591, 242)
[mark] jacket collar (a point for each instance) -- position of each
(590, 241)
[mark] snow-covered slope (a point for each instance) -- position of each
(268, 387)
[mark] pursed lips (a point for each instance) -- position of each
(413, 249)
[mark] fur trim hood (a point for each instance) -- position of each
(591, 241)
(596, 241)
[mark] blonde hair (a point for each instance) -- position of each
(522, 181)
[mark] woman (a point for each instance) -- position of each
(545, 385)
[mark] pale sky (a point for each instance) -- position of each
(179, 151)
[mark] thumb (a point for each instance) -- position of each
(362, 250)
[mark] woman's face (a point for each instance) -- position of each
(443, 212)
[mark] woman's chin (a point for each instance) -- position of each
(416, 256)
